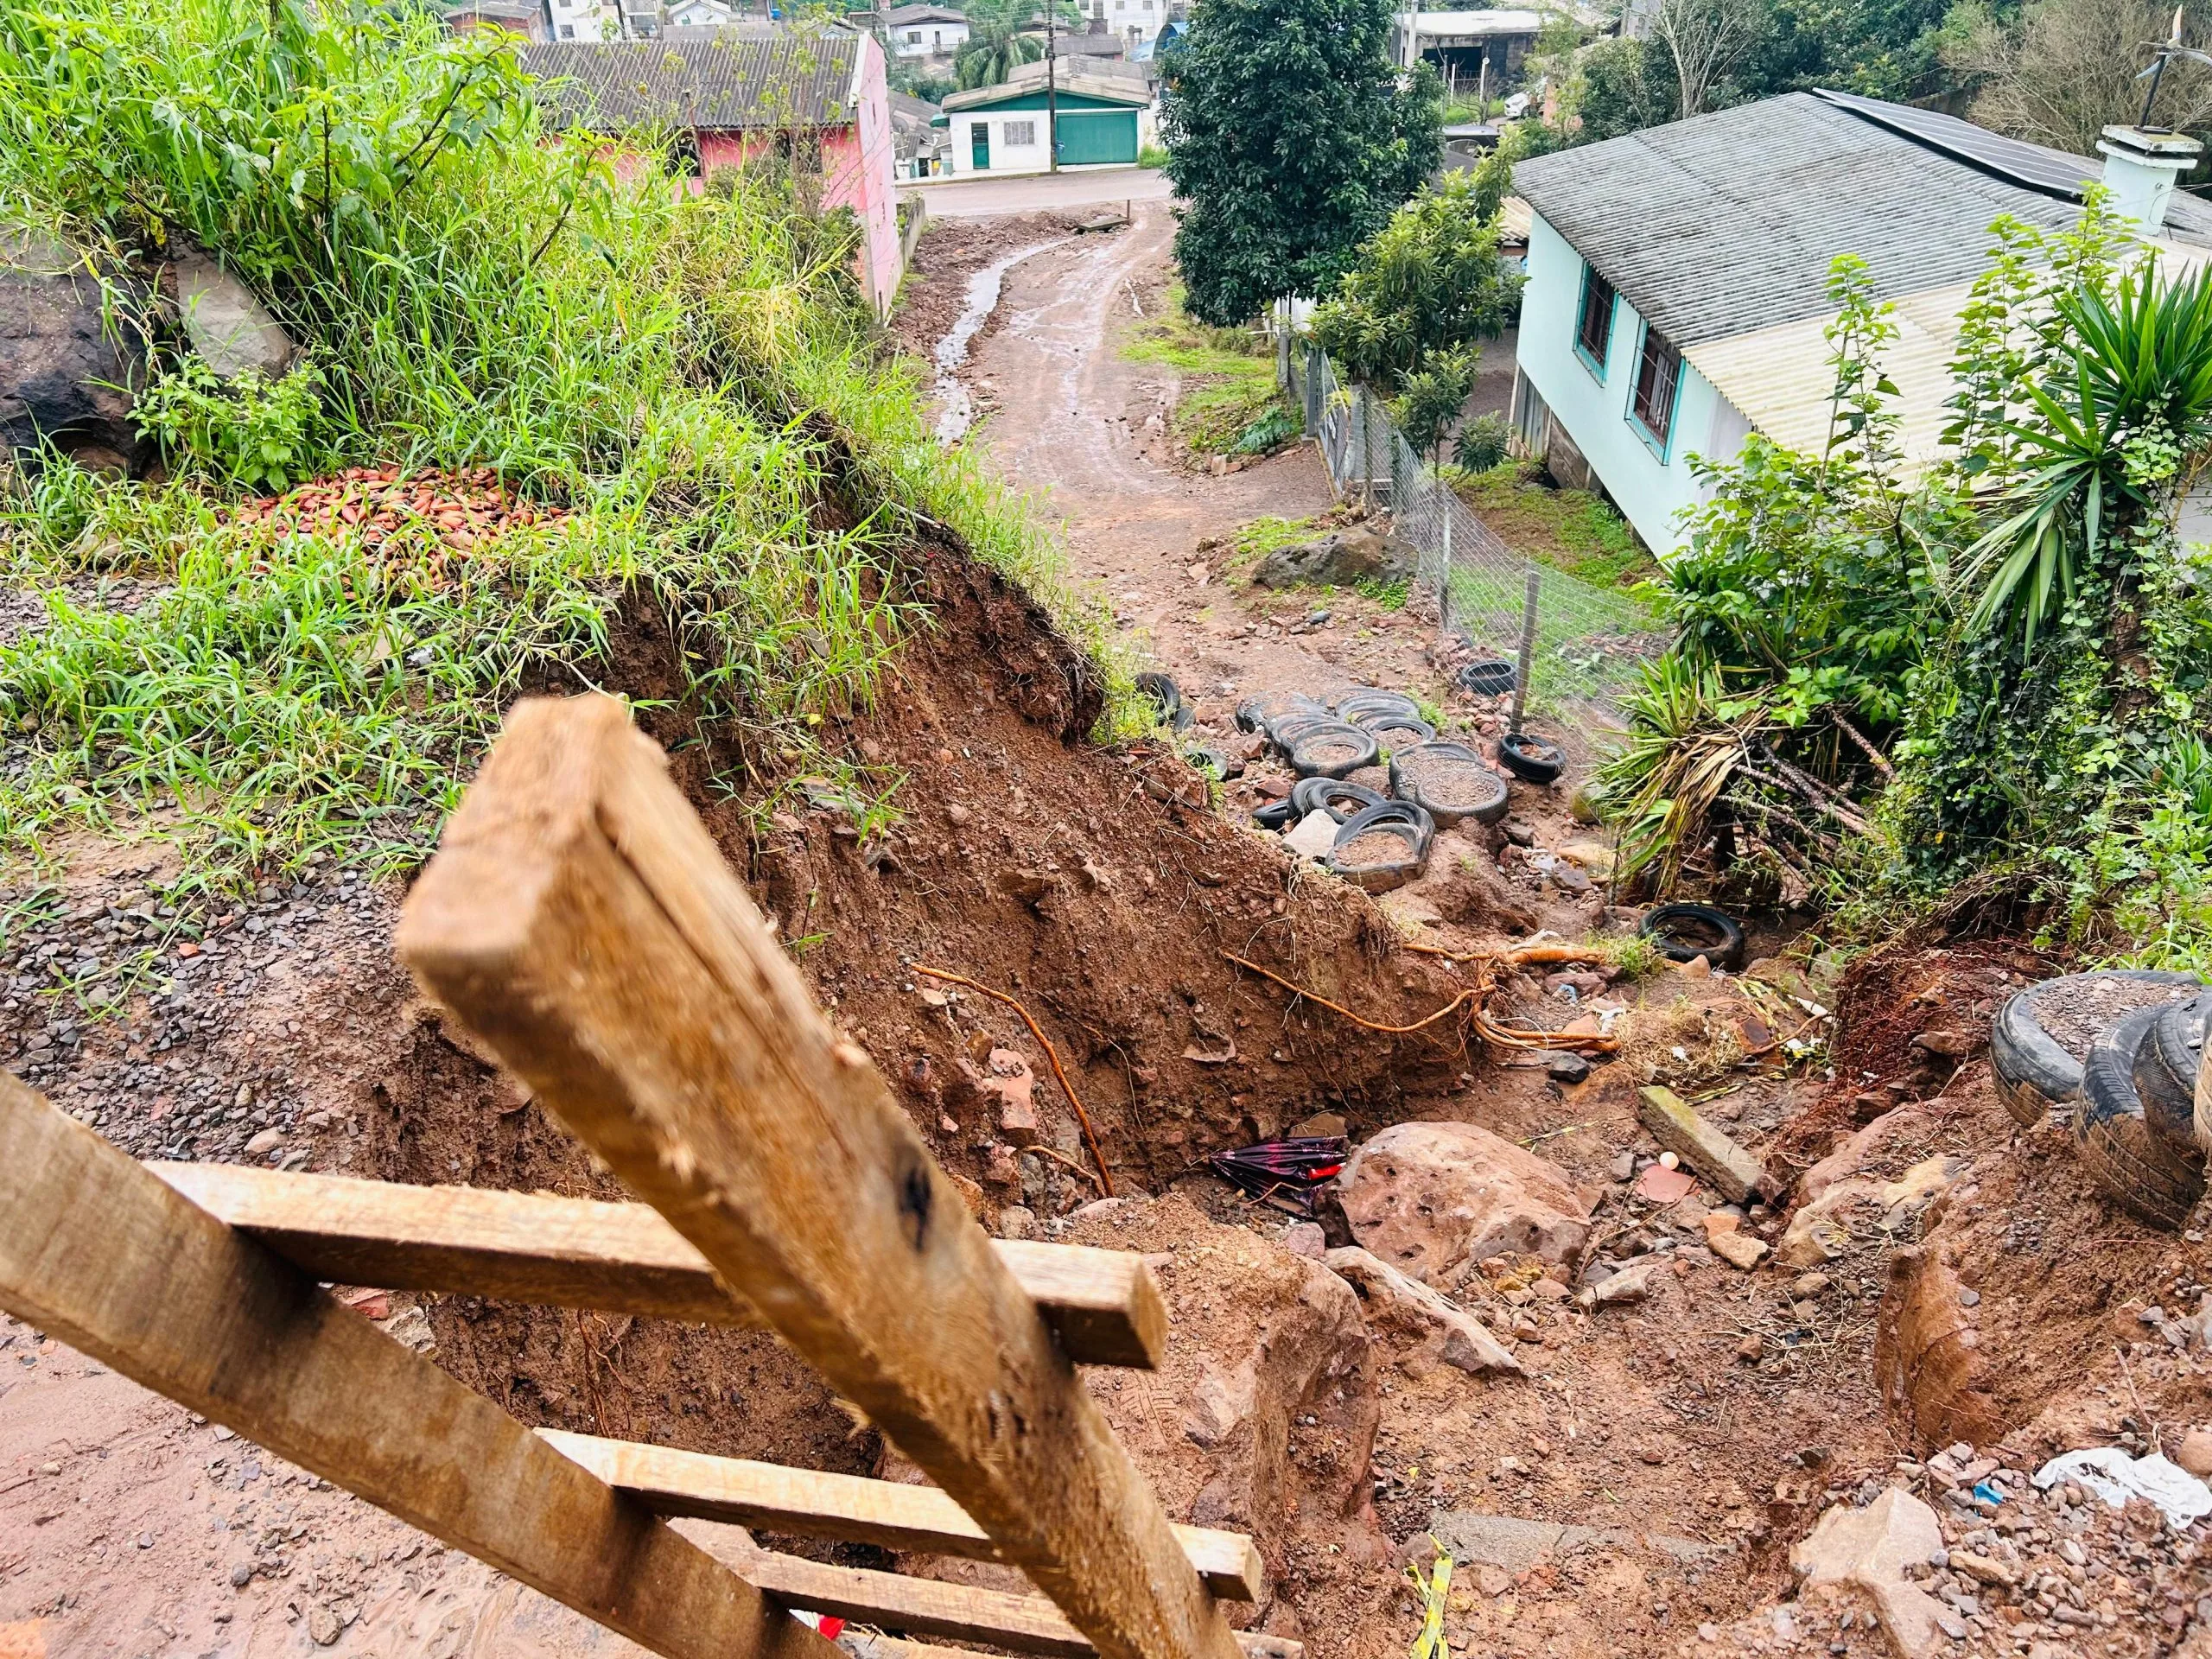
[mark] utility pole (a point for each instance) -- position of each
(1052, 89)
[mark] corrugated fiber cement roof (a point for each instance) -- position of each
(728, 82)
(1729, 222)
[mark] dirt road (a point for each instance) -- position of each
(1084, 426)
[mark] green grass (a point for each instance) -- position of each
(1228, 376)
(1570, 530)
(1153, 155)
(697, 377)
(1262, 537)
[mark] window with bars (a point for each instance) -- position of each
(1020, 132)
(1593, 326)
(1658, 371)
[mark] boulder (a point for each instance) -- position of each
(61, 377)
(1431, 1198)
(1393, 1299)
(232, 330)
(1342, 558)
(1871, 1548)
(1262, 1416)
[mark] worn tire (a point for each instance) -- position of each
(1726, 952)
(1487, 810)
(1307, 751)
(2166, 1066)
(1360, 707)
(1340, 798)
(1531, 759)
(2204, 1114)
(1400, 818)
(2033, 1072)
(2139, 1169)
(1490, 679)
(1168, 698)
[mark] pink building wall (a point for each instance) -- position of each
(856, 171)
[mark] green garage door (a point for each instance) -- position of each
(1088, 136)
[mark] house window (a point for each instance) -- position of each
(1594, 327)
(1020, 132)
(1658, 374)
(913, 37)
(568, 31)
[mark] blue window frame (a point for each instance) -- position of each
(1593, 321)
(1657, 389)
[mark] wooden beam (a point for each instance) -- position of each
(621, 1258)
(97, 1251)
(862, 1644)
(811, 1504)
(579, 919)
(963, 1612)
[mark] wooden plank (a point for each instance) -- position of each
(963, 1612)
(579, 919)
(621, 1258)
(1735, 1174)
(863, 1644)
(811, 1504)
(107, 1258)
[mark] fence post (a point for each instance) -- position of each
(1366, 448)
(1532, 584)
(580, 919)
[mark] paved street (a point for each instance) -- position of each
(983, 197)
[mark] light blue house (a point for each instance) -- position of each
(1677, 277)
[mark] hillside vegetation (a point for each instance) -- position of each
(694, 377)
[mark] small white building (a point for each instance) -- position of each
(1469, 48)
(918, 33)
(1103, 119)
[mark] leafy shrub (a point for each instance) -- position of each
(1483, 443)
(250, 433)
(1268, 434)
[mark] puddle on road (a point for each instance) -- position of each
(955, 409)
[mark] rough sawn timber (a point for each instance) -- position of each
(810, 1503)
(101, 1253)
(579, 919)
(618, 1258)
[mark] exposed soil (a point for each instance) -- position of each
(1636, 1488)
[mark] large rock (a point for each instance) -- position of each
(61, 377)
(232, 330)
(1873, 1549)
(1342, 558)
(1429, 1198)
(1394, 1299)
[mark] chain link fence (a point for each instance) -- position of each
(1589, 639)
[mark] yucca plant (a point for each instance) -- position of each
(2103, 454)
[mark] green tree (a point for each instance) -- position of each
(1430, 398)
(1004, 34)
(1620, 86)
(1429, 282)
(1290, 141)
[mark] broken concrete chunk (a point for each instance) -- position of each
(1814, 1236)
(1315, 835)
(1393, 1299)
(1631, 1284)
(1725, 1238)
(1733, 1172)
(1871, 1548)
(1428, 1198)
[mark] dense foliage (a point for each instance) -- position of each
(1290, 142)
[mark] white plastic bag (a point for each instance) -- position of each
(2115, 1477)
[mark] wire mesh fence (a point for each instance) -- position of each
(1589, 639)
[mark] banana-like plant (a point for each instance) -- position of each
(2105, 453)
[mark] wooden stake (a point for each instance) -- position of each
(579, 919)
(98, 1251)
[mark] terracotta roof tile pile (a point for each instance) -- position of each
(464, 510)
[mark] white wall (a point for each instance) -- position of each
(938, 40)
(1005, 157)
(1650, 489)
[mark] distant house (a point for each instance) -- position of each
(918, 33)
(1103, 120)
(1677, 276)
(698, 14)
(1470, 49)
(524, 17)
(815, 96)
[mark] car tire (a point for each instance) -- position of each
(1727, 951)
(1168, 698)
(1333, 748)
(1531, 759)
(2033, 1072)
(2166, 1067)
(2145, 1173)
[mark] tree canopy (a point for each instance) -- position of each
(1290, 141)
